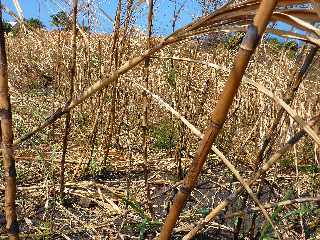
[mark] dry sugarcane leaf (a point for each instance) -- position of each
(288, 109)
(316, 7)
(239, 11)
(19, 9)
(284, 2)
(293, 35)
(246, 12)
(278, 32)
(210, 19)
(305, 14)
(296, 22)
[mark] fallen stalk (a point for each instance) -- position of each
(273, 205)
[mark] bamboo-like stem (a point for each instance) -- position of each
(219, 115)
(72, 78)
(9, 168)
(56, 83)
(115, 58)
(274, 158)
(123, 49)
(93, 134)
(145, 112)
(125, 36)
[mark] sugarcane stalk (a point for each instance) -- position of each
(9, 168)
(71, 92)
(219, 115)
(145, 113)
(115, 58)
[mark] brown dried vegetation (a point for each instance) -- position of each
(122, 181)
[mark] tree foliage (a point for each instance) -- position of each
(61, 20)
(35, 23)
(7, 27)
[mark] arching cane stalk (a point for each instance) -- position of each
(68, 114)
(12, 226)
(219, 115)
(145, 112)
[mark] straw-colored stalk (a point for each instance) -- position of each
(9, 168)
(71, 92)
(220, 113)
(114, 60)
(145, 113)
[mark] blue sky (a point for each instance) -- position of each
(164, 9)
(42, 9)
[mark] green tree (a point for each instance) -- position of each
(35, 23)
(275, 43)
(7, 27)
(61, 20)
(291, 45)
